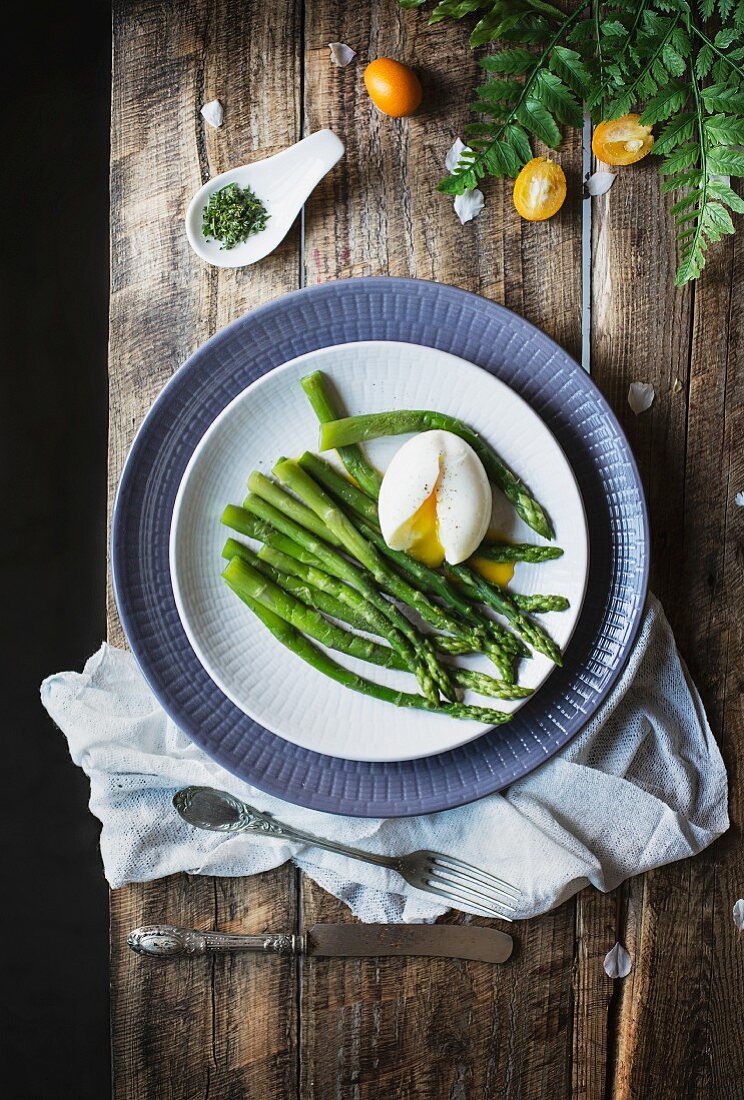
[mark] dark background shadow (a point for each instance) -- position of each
(53, 298)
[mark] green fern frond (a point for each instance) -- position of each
(701, 215)
(678, 63)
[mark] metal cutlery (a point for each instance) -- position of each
(454, 941)
(457, 882)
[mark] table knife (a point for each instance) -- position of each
(453, 941)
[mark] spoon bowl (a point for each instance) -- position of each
(282, 183)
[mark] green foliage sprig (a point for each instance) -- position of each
(676, 62)
(232, 215)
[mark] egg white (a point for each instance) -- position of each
(441, 460)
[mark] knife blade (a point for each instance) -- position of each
(453, 941)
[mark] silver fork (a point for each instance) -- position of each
(451, 878)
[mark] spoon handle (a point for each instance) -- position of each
(220, 811)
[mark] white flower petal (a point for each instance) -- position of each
(617, 962)
(599, 183)
(739, 498)
(641, 396)
(213, 113)
(341, 54)
(468, 205)
(739, 914)
(452, 159)
(676, 386)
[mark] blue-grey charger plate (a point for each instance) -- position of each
(496, 340)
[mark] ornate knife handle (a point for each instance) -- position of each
(166, 941)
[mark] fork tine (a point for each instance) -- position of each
(471, 874)
(441, 859)
(457, 902)
(479, 896)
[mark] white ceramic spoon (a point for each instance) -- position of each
(282, 183)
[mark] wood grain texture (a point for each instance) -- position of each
(217, 1028)
(400, 1028)
(681, 997)
(549, 1024)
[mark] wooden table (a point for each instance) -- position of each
(550, 1024)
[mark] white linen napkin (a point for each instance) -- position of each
(642, 785)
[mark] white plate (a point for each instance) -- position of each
(273, 417)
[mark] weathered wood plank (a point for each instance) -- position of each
(599, 923)
(692, 968)
(677, 1032)
(540, 1025)
(402, 1028)
(202, 1027)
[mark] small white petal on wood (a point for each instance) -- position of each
(468, 205)
(676, 386)
(341, 54)
(212, 113)
(739, 498)
(452, 159)
(641, 396)
(599, 183)
(617, 962)
(739, 914)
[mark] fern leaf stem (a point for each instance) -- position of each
(694, 244)
(695, 29)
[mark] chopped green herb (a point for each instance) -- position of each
(232, 215)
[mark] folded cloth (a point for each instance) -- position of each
(643, 784)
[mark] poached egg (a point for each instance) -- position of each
(435, 499)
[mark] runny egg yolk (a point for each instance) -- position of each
(422, 529)
(498, 572)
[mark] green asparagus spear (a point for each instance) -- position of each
(539, 603)
(310, 493)
(296, 605)
(287, 572)
(488, 685)
(499, 601)
(246, 523)
(354, 603)
(285, 633)
(350, 496)
(428, 579)
(238, 519)
(302, 589)
(245, 579)
(318, 390)
(268, 490)
(517, 551)
(390, 622)
(357, 429)
(388, 580)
